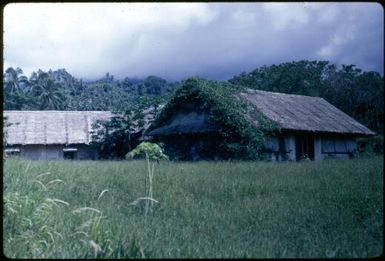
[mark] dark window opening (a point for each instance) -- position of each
(70, 153)
(282, 148)
(13, 151)
(304, 146)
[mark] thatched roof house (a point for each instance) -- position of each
(51, 127)
(61, 134)
(306, 126)
(303, 113)
(51, 134)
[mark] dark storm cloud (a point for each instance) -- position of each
(340, 33)
(175, 41)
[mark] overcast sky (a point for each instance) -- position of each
(178, 40)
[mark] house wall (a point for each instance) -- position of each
(321, 154)
(191, 147)
(317, 149)
(41, 152)
(290, 147)
(272, 145)
(194, 147)
(55, 152)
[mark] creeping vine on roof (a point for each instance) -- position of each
(220, 101)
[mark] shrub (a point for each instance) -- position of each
(152, 152)
(371, 145)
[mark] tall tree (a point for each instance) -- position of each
(14, 79)
(49, 94)
(14, 86)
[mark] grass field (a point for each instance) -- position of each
(81, 209)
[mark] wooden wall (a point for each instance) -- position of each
(55, 152)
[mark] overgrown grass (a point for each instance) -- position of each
(206, 210)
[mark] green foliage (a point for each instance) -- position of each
(117, 136)
(114, 138)
(48, 93)
(113, 95)
(151, 151)
(104, 96)
(302, 77)
(240, 138)
(59, 90)
(154, 85)
(14, 80)
(14, 89)
(39, 223)
(369, 146)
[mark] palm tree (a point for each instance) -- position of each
(47, 91)
(13, 80)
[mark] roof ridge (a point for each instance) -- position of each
(251, 91)
(51, 111)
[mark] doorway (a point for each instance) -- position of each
(304, 147)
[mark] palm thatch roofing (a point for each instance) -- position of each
(183, 123)
(303, 113)
(51, 127)
(290, 112)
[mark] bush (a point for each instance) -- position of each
(371, 145)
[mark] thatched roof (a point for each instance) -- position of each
(183, 123)
(303, 113)
(290, 112)
(51, 127)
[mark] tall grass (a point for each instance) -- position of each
(81, 209)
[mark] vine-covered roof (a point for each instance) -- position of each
(234, 106)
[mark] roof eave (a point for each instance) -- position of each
(369, 133)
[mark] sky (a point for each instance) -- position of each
(178, 40)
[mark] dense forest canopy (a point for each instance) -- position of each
(59, 90)
(359, 94)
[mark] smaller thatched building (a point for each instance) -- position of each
(306, 127)
(51, 134)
